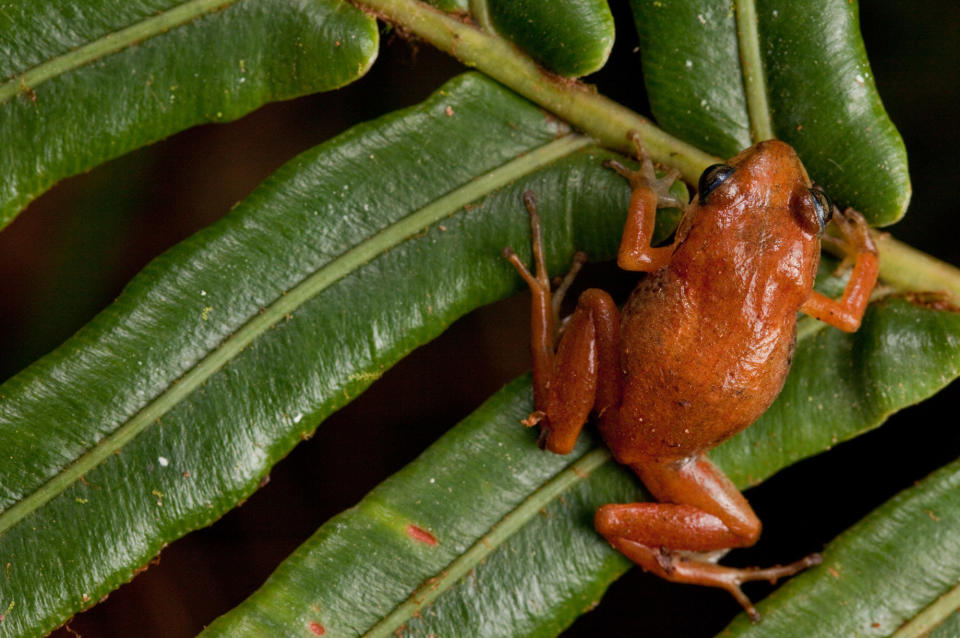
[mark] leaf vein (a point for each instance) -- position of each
(754, 80)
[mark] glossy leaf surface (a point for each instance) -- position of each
(819, 95)
(569, 37)
(948, 628)
(84, 83)
(173, 403)
(506, 555)
(905, 553)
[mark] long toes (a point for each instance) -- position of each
(623, 171)
(775, 573)
(744, 601)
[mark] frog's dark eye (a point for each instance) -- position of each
(823, 206)
(711, 178)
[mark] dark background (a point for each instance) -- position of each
(71, 252)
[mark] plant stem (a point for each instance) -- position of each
(481, 13)
(608, 122)
(600, 117)
(754, 81)
(906, 268)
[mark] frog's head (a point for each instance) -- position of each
(766, 179)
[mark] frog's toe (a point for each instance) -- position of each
(855, 237)
(629, 174)
(646, 177)
(661, 186)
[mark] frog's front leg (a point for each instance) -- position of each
(580, 373)
(857, 245)
(648, 193)
(702, 511)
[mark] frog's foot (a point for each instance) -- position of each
(854, 239)
(579, 259)
(638, 531)
(702, 512)
(674, 566)
(540, 283)
(646, 175)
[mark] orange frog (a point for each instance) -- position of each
(700, 350)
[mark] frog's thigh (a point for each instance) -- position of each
(703, 510)
(585, 375)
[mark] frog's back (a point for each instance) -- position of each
(706, 343)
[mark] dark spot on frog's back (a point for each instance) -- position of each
(651, 284)
(792, 349)
(684, 403)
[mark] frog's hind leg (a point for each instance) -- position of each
(580, 373)
(703, 512)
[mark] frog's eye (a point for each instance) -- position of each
(823, 206)
(711, 178)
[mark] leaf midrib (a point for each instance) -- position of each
(923, 623)
(111, 42)
(286, 304)
(751, 65)
(506, 527)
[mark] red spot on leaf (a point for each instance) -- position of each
(421, 535)
(317, 628)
